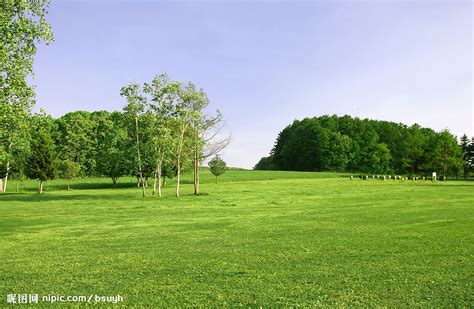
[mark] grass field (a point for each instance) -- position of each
(255, 238)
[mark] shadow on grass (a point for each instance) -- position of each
(53, 196)
(91, 186)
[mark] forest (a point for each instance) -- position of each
(332, 143)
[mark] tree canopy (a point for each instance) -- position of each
(332, 143)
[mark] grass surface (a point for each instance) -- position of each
(281, 239)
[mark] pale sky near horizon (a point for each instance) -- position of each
(266, 63)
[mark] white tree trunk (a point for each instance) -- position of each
(196, 170)
(6, 177)
(139, 159)
(178, 170)
(158, 173)
(154, 182)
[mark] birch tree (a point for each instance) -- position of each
(206, 131)
(133, 111)
(22, 27)
(182, 117)
(163, 96)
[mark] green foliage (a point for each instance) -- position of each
(217, 166)
(77, 140)
(467, 156)
(265, 163)
(41, 164)
(113, 153)
(337, 153)
(379, 159)
(351, 144)
(22, 27)
(69, 169)
(447, 155)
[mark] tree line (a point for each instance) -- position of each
(163, 130)
(347, 144)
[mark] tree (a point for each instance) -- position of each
(353, 144)
(413, 148)
(133, 112)
(471, 155)
(337, 155)
(22, 27)
(181, 121)
(113, 155)
(69, 170)
(163, 95)
(206, 129)
(77, 141)
(447, 153)
(379, 159)
(41, 162)
(217, 166)
(265, 163)
(304, 146)
(466, 155)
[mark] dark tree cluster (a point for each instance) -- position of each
(333, 143)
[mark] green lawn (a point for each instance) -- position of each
(255, 238)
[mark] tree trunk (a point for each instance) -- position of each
(41, 187)
(216, 179)
(196, 171)
(114, 181)
(158, 172)
(68, 186)
(1, 184)
(143, 187)
(146, 182)
(139, 159)
(8, 168)
(154, 182)
(178, 170)
(6, 177)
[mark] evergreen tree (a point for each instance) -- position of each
(466, 155)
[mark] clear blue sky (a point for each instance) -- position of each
(264, 64)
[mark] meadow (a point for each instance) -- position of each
(256, 238)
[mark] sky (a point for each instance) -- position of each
(264, 64)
